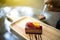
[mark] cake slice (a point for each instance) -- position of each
(33, 28)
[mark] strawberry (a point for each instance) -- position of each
(29, 24)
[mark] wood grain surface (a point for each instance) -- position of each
(48, 32)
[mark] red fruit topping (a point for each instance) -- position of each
(29, 24)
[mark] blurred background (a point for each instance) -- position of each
(30, 3)
(14, 9)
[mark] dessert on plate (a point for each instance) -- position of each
(33, 28)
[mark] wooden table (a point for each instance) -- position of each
(48, 32)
